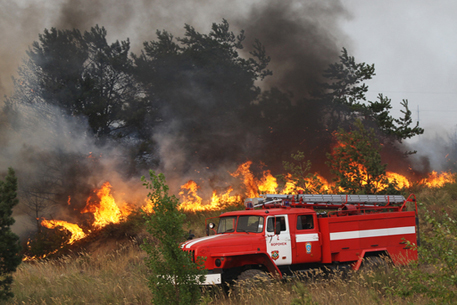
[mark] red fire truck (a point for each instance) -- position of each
(282, 234)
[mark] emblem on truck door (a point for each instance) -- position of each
(308, 248)
(274, 255)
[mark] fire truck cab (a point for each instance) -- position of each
(282, 234)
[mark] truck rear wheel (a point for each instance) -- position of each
(381, 262)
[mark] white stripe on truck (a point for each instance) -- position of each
(372, 233)
(189, 244)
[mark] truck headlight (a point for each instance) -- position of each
(218, 262)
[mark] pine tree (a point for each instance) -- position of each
(345, 96)
(9, 242)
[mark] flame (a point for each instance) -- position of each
(254, 187)
(76, 232)
(148, 206)
(105, 210)
(401, 180)
(438, 180)
(225, 198)
(315, 185)
(248, 179)
(189, 195)
(190, 201)
(267, 184)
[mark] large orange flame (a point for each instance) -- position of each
(76, 232)
(190, 201)
(402, 181)
(248, 179)
(266, 184)
(105, 209)
(438, 180)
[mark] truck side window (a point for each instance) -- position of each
(305, 222)
(280, 222)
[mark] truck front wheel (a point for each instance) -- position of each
(254, 275)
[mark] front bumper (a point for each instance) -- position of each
(213, 279)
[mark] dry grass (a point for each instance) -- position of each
(116, 274)
(363, 287)
(116, 277)
(120, 277)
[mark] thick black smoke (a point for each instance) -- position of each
(301, 39)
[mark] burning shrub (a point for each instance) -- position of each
(356, 163)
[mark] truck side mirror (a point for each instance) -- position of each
(191, 235)
(210, 226)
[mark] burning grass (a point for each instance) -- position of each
(105, 210)
(113, 272)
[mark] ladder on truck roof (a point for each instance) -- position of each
(335, 202)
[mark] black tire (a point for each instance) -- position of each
(253, 277)
(377, 263)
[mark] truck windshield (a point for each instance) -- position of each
(226, 224)
(250, 224)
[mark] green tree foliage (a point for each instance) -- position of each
(344, 93)
(203, 74)
(356, 162)
(9, 242)
(83, 75)
(175, 277)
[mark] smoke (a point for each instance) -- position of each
(302, 38)
(19, 24)
(57, 160)
(313, 24)
(48, 148)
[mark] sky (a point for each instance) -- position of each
(411, 43)
(414, 49)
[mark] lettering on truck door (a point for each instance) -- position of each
(279, 246)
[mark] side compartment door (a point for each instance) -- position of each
(279, 246)
(307, 238)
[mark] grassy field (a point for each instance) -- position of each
(116, 274)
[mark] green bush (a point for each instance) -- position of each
(175, 277)
(434, 275)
